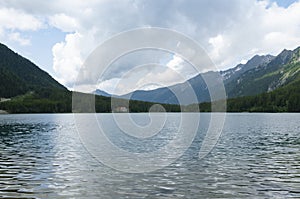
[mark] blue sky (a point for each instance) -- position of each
(40, 49)
(284, 3)
(58, 35)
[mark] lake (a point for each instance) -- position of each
(256, 156)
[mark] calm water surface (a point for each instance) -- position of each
(257, 156)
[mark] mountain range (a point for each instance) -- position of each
(264, 84)
(262, 73)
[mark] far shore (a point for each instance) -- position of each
(3, 112)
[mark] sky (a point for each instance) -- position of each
(59, 35)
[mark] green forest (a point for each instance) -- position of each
(60, 101)
(284, 99)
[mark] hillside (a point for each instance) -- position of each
(284, 99)
(279, 88)
(282, 70)
(18, 75)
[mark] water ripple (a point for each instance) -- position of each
(257, 157)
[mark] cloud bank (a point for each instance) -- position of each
(230, 31)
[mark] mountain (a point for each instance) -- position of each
(277, 79)
(260, 74)
(229, 77)
(265, 78)
(18, 75)
(283, 99)
(254, 62)
(179, 93)
(101, 93)
(277, 82)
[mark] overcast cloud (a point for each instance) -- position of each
(230, 31)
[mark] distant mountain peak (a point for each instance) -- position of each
(285, 53)
(255, 62)
(258, 60)
(296, 50)
(282, 58)
(101, 93)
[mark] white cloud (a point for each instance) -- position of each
(16, 37)
(163, 69)
(143, 77)
(218, 45)
(14, 20)
(243, 61)
(64, 22)
(18, 20)
(67, 58)
(109, 85)
(175, 63)
(229, 31)
(161, 79)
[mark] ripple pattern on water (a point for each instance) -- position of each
(258, 156)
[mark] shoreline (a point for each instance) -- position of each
(3, 112)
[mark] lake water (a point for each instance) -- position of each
(257, 156)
